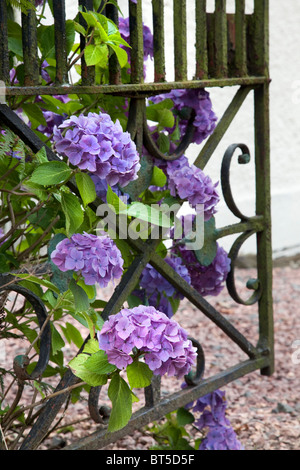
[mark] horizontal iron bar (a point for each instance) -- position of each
(144, 416)
(134, 89)
(254, 223)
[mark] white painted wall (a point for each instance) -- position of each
(285, 109)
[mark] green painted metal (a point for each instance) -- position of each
(231, 50)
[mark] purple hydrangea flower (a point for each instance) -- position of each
(221, 435)
(97, 144)
(200, 102)
(164, 344)
(190, 183)
(96, 258)
(147, 37)
(221, 438)
(207, 280)
(153, 282)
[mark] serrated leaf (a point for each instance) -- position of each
(86, 188)
(73, 212)
(49, 173)
(120, 53)
(120, 395)
(139, 375)
(78, 367)
(81, 299)
(98, 363)
(113, 199)
(96, 55)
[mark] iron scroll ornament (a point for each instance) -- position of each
(252, 284)
(21, 362)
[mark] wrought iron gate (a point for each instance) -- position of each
(231, 51)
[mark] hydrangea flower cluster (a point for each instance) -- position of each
(191, 183)
(97, 144)
(200, 102)
(221, 436)
(207, 280)
(96, 258)
(164, 343)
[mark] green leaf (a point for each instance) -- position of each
(120, 395)
(158, 177)
(96, 55)
(184, 417)
(149, 214)
(80, 297)
(41, 155)
(139, 375)
(49, 173)
(56, 340)
(37, 280)
(113, 199)
(35, 115)
(207, 254)
(98, 363)
(86, 188)
(120, 53)
(74, 335)
(92, 378)
(73, 212)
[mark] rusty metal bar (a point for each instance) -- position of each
(224, 123)
(59, 13)
(201, 41)
(30, 48)
(158, 40)
(240, 39)
(87, 73)
(4, 53)
(136, 42)
(100, 438)
(180, 40)
(221, 52)
(135, 90)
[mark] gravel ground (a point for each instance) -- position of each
(264, 411)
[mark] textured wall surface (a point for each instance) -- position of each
(285, 107)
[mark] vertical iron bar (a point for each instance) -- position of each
(263, 196)
(30, 51)
(201, 40)
(180, 40)
(87, 73)
(111, 12)
(59, 12)
(240, 39)
(4, 53)
(158, 40)
(261, 38)
(136, 41)
(221, 47)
